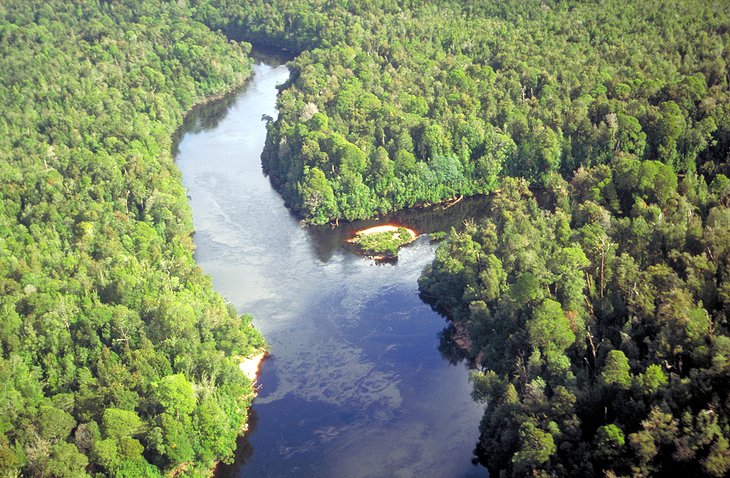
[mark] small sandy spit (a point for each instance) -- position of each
(385, 228)
(250, 366)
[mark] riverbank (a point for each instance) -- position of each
(353, 371)
(204, 114)
(250, 367)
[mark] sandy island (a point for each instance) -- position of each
(383, 246)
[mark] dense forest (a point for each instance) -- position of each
(597, 322)
(396, 103)
(594, 302)
(117, 359)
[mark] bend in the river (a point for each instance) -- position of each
(355, 385)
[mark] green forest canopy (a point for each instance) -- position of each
(117, 357)
(598, 318)
(395, 103)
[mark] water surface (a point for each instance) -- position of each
(355, 385)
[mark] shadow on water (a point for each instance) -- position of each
(208, 116)
(271, 55)
(355, 385)
(326, 240)
(243, 453)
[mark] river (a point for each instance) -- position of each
(355, 385)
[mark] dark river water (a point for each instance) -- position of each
(355, 385)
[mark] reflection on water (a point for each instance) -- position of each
(328, 239)
(355, 385)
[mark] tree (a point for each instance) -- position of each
(669, 127)
(380, 164)
(609, 442)
(433, 142)
(616, 370)
(654, 379)
(536, 447)
(630, 138)
(526, 288)
(318, 196)
(120, 423)
(175, 394)
(569, 266)
(54, 424)
(549, 329)
(493, 278)
(66, 462)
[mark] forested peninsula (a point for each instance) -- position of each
(398, 103)
(595, 300)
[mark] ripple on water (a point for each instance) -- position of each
(355, 385)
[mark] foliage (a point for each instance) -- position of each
(383, 243)
(397, 103)
(598, 319)
(599, 325)
(112, 342)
